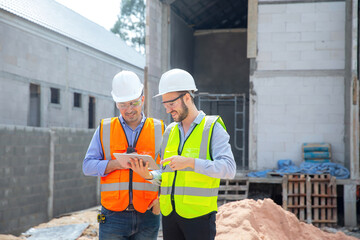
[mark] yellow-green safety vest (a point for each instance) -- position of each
(193, 194)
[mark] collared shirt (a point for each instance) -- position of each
(223, 166)
(93, 164)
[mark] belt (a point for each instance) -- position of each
(130, 208)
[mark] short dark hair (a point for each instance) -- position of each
(191, 93)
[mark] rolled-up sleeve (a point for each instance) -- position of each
(94, 163)
(223, 165)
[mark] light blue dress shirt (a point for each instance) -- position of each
(223, 166)
(94, 163)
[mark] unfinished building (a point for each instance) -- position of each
(279, 72)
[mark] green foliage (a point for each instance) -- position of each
(130, 25)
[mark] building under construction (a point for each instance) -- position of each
(281, 73)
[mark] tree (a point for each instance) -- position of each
(130, 25)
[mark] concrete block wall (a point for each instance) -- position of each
(294, 110)
(297, 89)
(32, 54)
(301, 36)
(38, 181)
(24, 188)
(72, 190)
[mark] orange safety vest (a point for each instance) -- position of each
(115, 186)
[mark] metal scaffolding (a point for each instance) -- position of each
(231, 107)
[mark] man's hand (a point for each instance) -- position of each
(155, 205)
(138, 166)
(179, 162)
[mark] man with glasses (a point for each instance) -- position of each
(130, 206)
(196, 154)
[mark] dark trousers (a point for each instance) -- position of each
(179, 228)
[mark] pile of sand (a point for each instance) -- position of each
(263, 219)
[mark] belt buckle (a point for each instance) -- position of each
(130, 208)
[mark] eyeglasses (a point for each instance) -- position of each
(134, 103)
(171, 103)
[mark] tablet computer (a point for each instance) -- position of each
(125, 159)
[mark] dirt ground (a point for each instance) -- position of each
(246, 211)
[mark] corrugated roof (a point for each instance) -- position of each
(54, 16)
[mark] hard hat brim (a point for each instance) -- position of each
(177, 90)
(127, 98)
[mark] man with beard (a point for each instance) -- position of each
(196, 154)
(130, 206)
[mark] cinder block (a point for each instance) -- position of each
(330, 7)
(270, 27)
(286, 18)
(265, 18)
(264, 37)
(271, 46)
(315, 36)
(334, 26)
(315, 55)
(316, 99)
(315, 17)
(300, 27)
(286, 56)
(273, 8)
(279, 65)
(300, 46)
(330, 45)
(286, 37)
(300, 8)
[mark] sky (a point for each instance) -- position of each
(102, 12)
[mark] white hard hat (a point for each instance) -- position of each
(176, 80)
(126, 86)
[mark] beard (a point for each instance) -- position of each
(183, 113)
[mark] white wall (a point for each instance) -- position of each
(301, 36)
(298, 86)
(294, 110)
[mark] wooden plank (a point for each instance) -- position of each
(311, 197)
(252, 28)
(296, 198)
(302, 196)
(329, 199)
(231, 197)
(285, 191)
(308, 200)
(297, 206)
(233, 188)
(315, 186)
(323, 200)
(334, 200)
(324, 221)
(290, 188)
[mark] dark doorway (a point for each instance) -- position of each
(34, 106)
(91, 112)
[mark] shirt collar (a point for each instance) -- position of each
(125, 124)
(197, 120)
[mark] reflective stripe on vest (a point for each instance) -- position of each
(194, 194)
(201, 192)
(106, 138)
(125, 185)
